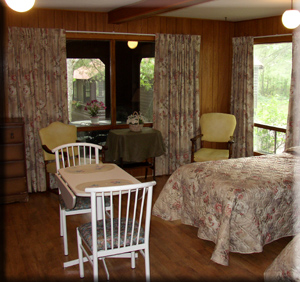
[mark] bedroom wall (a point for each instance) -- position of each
(261, 27)
(215, 60)
(216, 48)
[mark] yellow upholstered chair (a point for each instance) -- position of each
(52, 136)
(216, 128)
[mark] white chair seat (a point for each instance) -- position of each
(81, 203)
(85, 231)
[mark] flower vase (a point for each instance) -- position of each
(94, 120)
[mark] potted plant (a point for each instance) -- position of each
(136, 121)
(93, 109)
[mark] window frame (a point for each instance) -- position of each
(270, 40)
(112, 38)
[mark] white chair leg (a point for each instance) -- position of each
(132, 259)
(105, 267)
(80, 256)
(60, 222)
(95, 266)
(147, 264)
(64, 223)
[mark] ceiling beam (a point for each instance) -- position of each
(148, 8)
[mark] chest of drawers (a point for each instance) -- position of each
(13, 186)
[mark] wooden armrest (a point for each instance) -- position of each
(46, 149)
(230, 142)
(196, 137)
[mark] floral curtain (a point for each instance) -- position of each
(242, 96)
(293, 121)
(176, 108)
(37, 85)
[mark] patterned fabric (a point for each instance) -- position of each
(293, 124)
(286, 267)
(36, 70)
(240, 204)
(242, 96)
(82, 203)
(86, 233)
(176, 97)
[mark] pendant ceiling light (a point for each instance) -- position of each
(20, 5)
(291, 18)
(132, 44)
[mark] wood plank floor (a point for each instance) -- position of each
(33, 250)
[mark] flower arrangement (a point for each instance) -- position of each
(136, 118)
(94, 107)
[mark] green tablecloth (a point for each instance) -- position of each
(133, 146)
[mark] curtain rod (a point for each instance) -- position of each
(110, 33)
(275, 35)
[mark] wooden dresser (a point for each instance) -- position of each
(13, 186)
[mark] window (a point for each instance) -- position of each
(111, 72)
(272, 79)
(86, 82)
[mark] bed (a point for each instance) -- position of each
(286, 267)
(239, 204)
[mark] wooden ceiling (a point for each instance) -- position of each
(148, 8)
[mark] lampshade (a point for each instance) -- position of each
(132, 44)
(20, 5)
(291, 19)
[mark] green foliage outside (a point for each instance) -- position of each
(147, 73)
(146, 87)
(273, 90)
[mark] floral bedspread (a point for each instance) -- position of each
(239, 204)
(286, 267)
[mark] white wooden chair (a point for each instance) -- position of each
(124, 233)
(67, 155)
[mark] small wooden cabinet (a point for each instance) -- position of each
(13, 186)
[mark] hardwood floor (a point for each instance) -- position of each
(33, 249)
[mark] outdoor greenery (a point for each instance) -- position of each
(147, 74)
(146, 87)
(272, 66)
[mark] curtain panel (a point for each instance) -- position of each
(176, 106)
(242, 96)
(37, 85)
(293, 120)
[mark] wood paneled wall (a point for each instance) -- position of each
(216, 38)
(261, 27)
(215, 61)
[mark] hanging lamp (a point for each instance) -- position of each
(132, 44)
(20, 5)
(291, 18)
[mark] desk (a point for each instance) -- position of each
(124, 145)
(80, 177)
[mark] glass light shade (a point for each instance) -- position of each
(20, 5)
(291, 19)
(132, 44)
